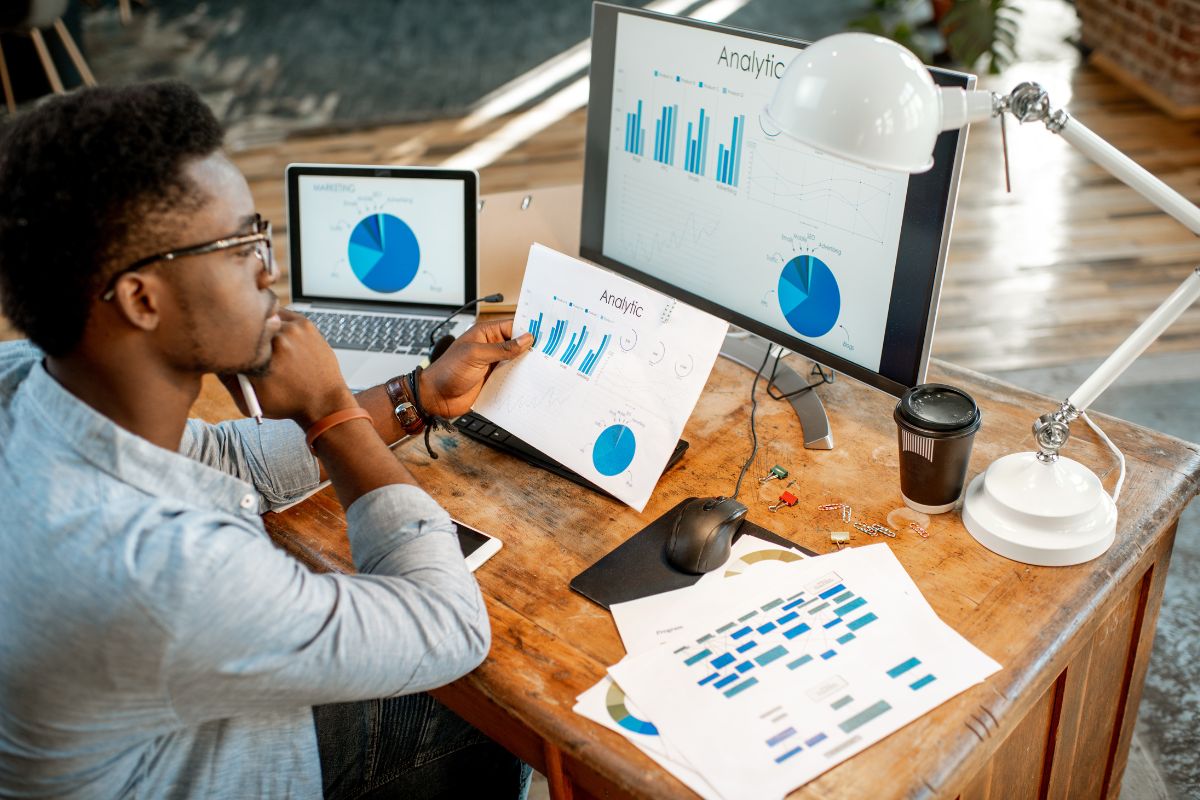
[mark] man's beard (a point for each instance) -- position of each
(257, 368)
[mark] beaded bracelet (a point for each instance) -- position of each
(431, 420)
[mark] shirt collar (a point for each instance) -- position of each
(128, 457)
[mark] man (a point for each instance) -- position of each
(153, 642)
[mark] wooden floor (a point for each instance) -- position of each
(1057, 272)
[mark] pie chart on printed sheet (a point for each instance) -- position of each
(614, 449)
(809, 296)
(384, 253)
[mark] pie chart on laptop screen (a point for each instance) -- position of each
(384, 253)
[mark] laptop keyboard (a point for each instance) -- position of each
(374, 333)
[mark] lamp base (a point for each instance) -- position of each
(1052, 515)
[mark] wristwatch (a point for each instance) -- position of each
(403, 406)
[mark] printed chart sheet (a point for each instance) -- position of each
(615, 372)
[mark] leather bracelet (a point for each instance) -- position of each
(331, 420)
(404, 404)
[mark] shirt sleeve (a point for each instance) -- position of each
(273, 457)
(252, 629)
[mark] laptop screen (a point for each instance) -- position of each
(382, 235)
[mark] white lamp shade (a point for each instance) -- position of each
(863, 98)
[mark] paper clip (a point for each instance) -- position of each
(785, 499)
(777, 473)
(875, 529)
(843, 507)
(924, 534)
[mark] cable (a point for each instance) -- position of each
(753, 434)
(1120, 456)
(491, 298)
(775, 394)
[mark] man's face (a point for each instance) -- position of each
(221, 315)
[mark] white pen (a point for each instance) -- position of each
(250, 397)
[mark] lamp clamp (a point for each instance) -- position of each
(1029, 102)
(1051, 431)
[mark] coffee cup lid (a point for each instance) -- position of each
(938, 407)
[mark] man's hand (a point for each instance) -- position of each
(303, 382)
(450, 385)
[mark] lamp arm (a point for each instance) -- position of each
(1136, 343)
(1028, 102)
(1127, 170)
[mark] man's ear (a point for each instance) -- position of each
(139, 298)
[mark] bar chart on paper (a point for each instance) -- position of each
(613, 374)
(550, 341)
(819, 665)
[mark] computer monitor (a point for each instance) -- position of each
(688, 190)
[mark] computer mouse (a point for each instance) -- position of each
(702, 533)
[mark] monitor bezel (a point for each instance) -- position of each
(948, 157)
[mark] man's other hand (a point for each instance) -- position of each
(450, 385)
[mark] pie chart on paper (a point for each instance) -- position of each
(613, 451)
(809, 296)
(384, 253)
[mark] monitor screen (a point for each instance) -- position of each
(382, 234)
(689, 190)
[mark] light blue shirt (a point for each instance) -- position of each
(155, 643)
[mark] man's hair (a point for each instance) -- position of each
(81, 177)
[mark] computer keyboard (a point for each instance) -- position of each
(374, 333)
(479, 428)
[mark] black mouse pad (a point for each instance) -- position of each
(638, 567)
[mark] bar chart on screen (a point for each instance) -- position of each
(715, 175)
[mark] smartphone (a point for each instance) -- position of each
(477, 547)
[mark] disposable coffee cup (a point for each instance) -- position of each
(936, 426)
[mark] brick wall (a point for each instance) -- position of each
(1156, 42)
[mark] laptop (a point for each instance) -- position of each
(379, 257)
(509, 222)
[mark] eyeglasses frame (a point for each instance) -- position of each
(262, 233)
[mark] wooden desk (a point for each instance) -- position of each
(1074, 642)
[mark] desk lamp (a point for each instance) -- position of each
(869, 100)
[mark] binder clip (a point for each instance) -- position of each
(777, 473)
(785, 499)
(840, 538)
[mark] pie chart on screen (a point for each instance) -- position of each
(384, 253)
(809, 296)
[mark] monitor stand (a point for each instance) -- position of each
(749, 350)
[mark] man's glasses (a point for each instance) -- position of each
(259, 236)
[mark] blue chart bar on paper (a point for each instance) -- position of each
(635, 135)
(555, 338)
(697, 145)
(864, 716)
(535, 327)
(664, 135)
(573, 348)
(903, 667)
(729, 159)
(589, 361)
